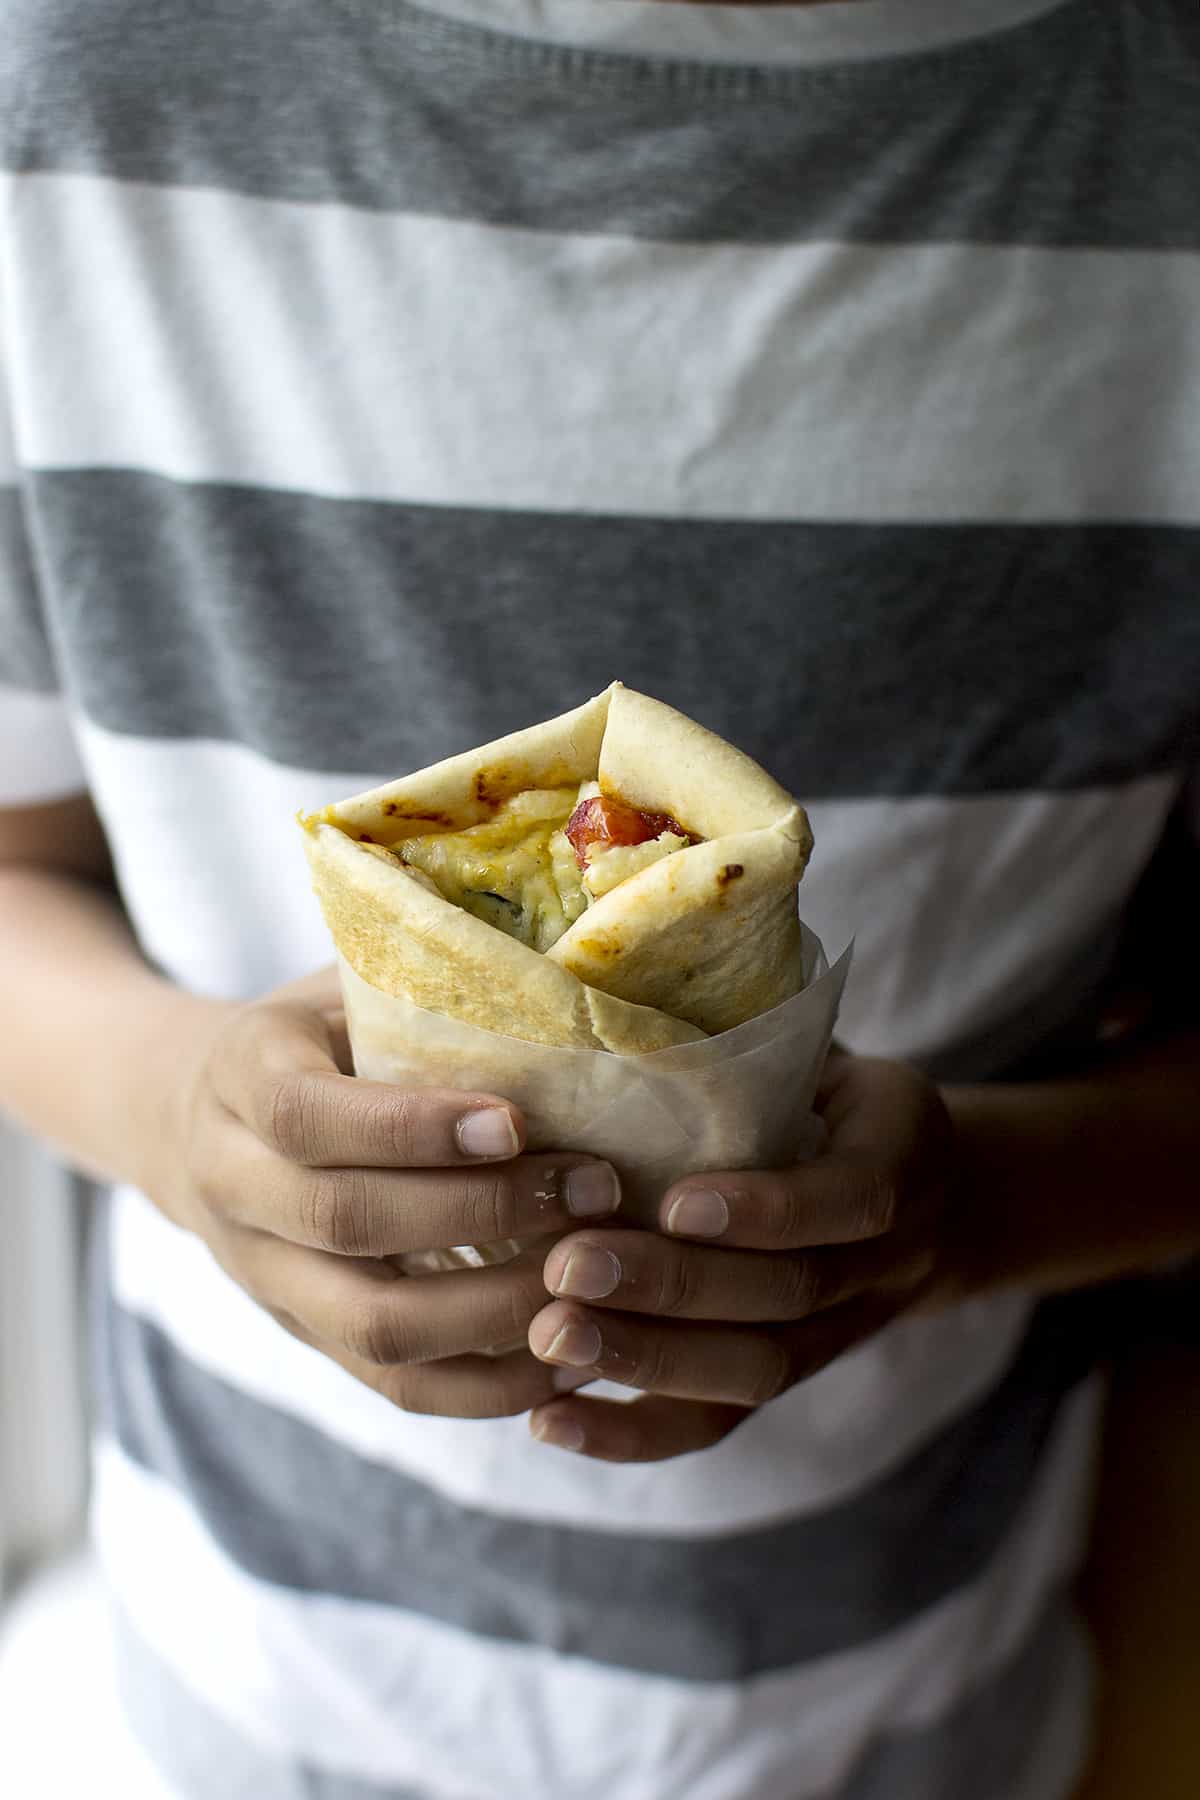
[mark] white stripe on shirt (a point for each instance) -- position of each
(39, 757)
(900, 383)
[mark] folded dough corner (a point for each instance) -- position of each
(615, 878)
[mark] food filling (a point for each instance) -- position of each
(599, 822)
(534, 868)
(613, 841)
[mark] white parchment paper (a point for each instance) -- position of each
(742, 1099)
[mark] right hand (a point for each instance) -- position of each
(303, 1181)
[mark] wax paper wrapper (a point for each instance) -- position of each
(742, 1099)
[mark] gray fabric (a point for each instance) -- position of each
(26, 658)
(854, 659)
(275, 1494)
(983, 1748)
(1057, 1025)
(1076, 128)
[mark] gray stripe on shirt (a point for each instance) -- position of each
(1074, 129)
(855, 660)
(985, 1747)
(275, 1493)
(26, 659)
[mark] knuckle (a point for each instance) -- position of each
(399, 1125)
(502, 1401)
(291, 1118)
(498, 1396)
(524, 1307)
(787, 1213)
(404, 1387)
(334, 1214)
(488, 1205)
(374, 1332)
(676, 1286)
(494, 1395)
(878, 1203)
(518, 1303)
(654, 1367)
(314, 1211)
(772, 1373)
(793, 1287)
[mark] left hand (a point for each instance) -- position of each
(736, 1298)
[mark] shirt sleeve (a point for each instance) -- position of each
(39, 754)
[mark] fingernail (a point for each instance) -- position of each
(564, 1434)
(488, 1132)
(578, 1346)
(698, 1213)
(590, 1274)
(592, 1188)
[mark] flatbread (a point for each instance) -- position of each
(693, 944)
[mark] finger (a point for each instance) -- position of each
(460, 1387)
(373, 1314)
(278, 1073)
(650, 1429)
(381, 1212)
(888, 1136)
(639, 1271)
(692, 1362)
(879, 1109)
(838, 1065)
(722, 1363)
(832, 1200)
(321, 992)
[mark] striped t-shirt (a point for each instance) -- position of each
(384, 376)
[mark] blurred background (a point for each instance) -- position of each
(54, 1678)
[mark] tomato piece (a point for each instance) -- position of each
(602, 821)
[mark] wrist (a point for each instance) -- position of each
(984, 1208)
(154, 1085)
(1064, 1184)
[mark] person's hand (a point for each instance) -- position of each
(756, 1279)
(304, 1181)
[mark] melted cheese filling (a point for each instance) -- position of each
(611, 864)
(518, 872)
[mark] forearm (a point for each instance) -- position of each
(91, 1031)
(1069, 1182)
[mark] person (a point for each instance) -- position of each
(382, 377)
